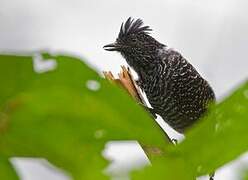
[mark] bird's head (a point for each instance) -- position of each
(134, 42)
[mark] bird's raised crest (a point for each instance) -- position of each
(132, 26)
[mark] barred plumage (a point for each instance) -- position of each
(175, 90)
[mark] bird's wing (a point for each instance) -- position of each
(190, 90)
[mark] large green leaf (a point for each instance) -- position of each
(166, 167)
(56, 116)
(7, 172)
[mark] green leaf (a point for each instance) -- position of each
(166, 167)
(244, 174)
(7, 172)
(220, 137)
(57, 116)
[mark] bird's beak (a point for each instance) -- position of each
(112, 47)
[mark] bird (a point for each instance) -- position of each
(174, 88)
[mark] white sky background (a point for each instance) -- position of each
(211, 34)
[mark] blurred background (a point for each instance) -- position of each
(211, 34)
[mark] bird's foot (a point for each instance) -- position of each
(211, 176)
(174, 141)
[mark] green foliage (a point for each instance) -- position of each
(6, 170)
(56, 115)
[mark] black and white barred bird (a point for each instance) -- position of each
(175, 90)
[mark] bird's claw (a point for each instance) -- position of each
(211, 176)
(174, 141)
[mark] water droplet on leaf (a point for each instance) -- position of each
(93, 85)
(99, 133)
